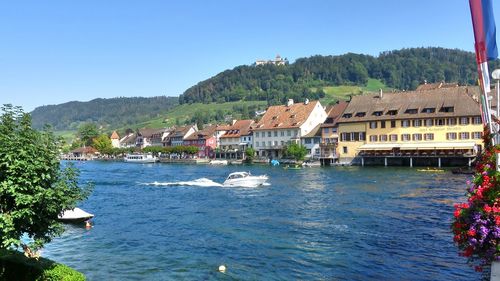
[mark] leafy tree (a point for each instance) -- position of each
(87, 132)
(297, 151)
(249, 154)
(34, 188)
(103, 144)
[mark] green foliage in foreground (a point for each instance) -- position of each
(34, 189)
(15, 266)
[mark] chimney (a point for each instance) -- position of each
(306, 101)
(233, 121)
(290, 102)
(380, 93)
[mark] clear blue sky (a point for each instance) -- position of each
(58, 51)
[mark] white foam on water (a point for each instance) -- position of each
(197, 182)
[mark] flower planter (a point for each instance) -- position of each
(495, 271)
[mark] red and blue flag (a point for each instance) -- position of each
(483, 22)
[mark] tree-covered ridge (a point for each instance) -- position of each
(402, 69)
(112, 113)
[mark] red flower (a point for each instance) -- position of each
(457, 213)
(497, 220)
(471, 232)
(478, 268)
(468, 251)
(487, 208)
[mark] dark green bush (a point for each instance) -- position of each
(15, 266)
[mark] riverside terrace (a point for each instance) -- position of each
(430, 127)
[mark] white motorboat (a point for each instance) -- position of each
(311, 164)
(75, 215)
(218, 162)
(245, 179)
(140, 158)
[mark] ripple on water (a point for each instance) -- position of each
(159, 222)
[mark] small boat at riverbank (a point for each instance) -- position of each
(218, 162)
(75, 215)
(140, 158)
(431, 170)
(245, 179)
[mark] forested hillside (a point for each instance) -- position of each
(402, 69)
(112, 113)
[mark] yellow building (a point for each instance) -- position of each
(429, 127)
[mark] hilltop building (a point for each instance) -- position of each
(283, 124)
(426, 127)
(277, 61)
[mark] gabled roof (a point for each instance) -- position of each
(282, 116)
(239, 128)
(334, 113)
(206, 133)
(114, 136)
(129, 138)
(393, 106)
(434, 86)
(181, 131)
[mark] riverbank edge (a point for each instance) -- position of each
(15, 266)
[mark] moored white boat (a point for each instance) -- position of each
(75, 215)
(140, 158)
(245, 179)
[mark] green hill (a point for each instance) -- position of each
(315, 76)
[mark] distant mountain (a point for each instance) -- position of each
(401, 69)
(108, 113)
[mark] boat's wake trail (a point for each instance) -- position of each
(197, 182)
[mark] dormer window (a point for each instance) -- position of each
(347, 115)
(377, 113)
(411, 111)
(429, 110)
(447, 109)
(293, 116)
(360, 114)
(392, 112)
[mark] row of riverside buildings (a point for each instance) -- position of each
(437, 124)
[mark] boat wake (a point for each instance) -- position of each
(198, 182)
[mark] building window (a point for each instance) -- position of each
(440, 122)
(392, 112)
(347, 115)
(429, 137)
(257, 144)
(373, 125)
(476, 120)
(393, 123)
(373, 138)
(269, 143)
(382, 124)
(476, 135)
(282, 133)
(295, 133)
(362, 136)
(464, 120)
(417, 123)
(257, 135)
(451, 121)
(377, 113)
(394, 137)
(447, 109)
(360, 114)
(417, 137)
(429, 122)
(282, 143)
(405, 137)
(316, 151)
(325, 131)
(451, 136)
(269, 134)
(405, 123)
(288, 133)
(344, 149)
(353, 135)
(275, 133)
(383, 137)
(307, 141)
(428, 110)
(343, 136)
(464, 135)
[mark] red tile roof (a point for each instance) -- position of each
(239, 128)
(207, 132)
(282, 116)
(114, 136)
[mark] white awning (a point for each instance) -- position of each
(379, 146)
(438, 145)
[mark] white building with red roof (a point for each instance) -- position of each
(115, 139)
(282, 124)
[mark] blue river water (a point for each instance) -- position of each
(161, 222)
